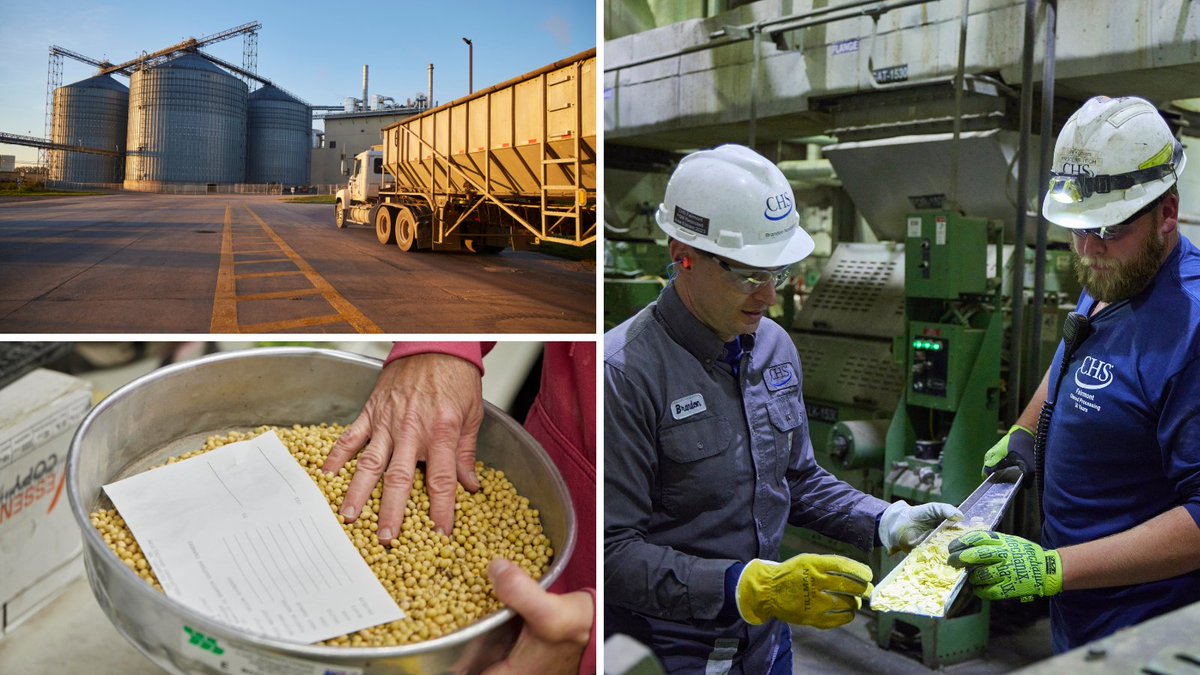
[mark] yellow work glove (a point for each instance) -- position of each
(822, 591)
(1006, 566)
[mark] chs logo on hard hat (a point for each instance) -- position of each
(778, 207)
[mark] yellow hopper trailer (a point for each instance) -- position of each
(514, 163)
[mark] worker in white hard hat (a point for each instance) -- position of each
(1117, 417)
(707, 455)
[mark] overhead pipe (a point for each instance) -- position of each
(959, 83)
(774, 26)
(1039, 275)
(1016, 363)
(749, 33)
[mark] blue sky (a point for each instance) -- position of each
(314, 50)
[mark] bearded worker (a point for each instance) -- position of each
(1118, 413)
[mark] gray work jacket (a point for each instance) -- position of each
(703, 469)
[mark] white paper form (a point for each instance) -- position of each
(243, 535)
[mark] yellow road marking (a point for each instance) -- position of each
(269, 275)
(275, 326)
(259, 262)
(348, 312)
(279, 295)
(224, 316)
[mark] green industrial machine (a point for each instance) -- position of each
(632, 277)
(852, 384)
(949, 413)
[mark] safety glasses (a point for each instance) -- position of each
(1118, 231)
(750, 279)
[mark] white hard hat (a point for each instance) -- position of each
(1113, 157)
(735, 203)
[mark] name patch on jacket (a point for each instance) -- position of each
(780, 376)
(687, 406)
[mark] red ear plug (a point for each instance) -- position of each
(686, 263)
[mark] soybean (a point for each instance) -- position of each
(439, 580)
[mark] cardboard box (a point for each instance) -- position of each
(39, 540)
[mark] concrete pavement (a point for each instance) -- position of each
(146, 263)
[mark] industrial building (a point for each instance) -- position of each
(8, 167)
(356, 126)
(916, 138)
(348, 133)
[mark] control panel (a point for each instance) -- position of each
(930, 366)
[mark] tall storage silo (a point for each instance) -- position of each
(92, 113)
(278, 138)
(187, 124)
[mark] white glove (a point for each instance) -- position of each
(902, 527)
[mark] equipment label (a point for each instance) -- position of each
(914, 228)
(822, 413)
(940, 231)
(844, 47)
(894, 74)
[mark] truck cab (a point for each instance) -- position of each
(354, 201)
(367, 177)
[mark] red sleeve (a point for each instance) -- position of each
(467, 351)
(587, 665)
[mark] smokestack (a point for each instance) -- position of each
(431, 85)
(364, 86)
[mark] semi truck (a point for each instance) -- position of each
(510, 165)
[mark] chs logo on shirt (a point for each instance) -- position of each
(1094, 373)
(780, 376)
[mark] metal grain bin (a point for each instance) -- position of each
(92, 113)
(278, 138)
(187, 124)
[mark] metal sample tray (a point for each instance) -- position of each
(982, 510)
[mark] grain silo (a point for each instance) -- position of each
(92, 113)
(278, 138)
(187, 124)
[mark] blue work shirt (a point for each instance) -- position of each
(703, 469)
(1124, 442)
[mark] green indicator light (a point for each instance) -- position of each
(937, 346)
(916, 344)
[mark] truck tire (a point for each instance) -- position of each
(339, 214)
(406, 230)
(477, 246)
(383, 225)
